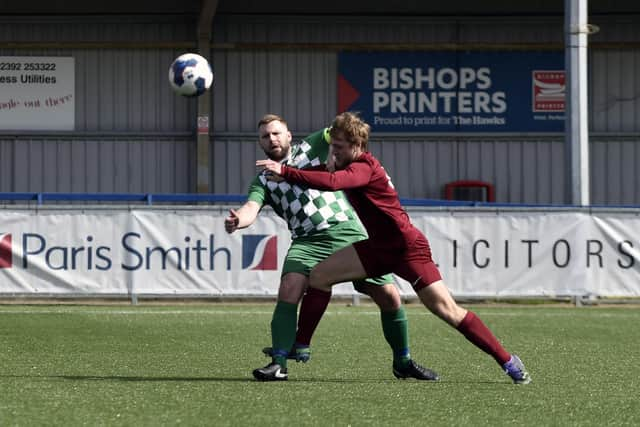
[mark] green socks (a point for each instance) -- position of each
(283, 331)
(396, 332)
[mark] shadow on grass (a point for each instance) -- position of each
(127, 378)
(187, 379)
(138, 378)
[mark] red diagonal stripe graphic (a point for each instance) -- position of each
(5, 252)
(269, 259)
(347, 94)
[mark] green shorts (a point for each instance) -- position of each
(305, 252)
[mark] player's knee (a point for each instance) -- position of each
(386, 297)
(291, 292)
(449, 311)
(318, 280)
(437, 298)
(391, 298)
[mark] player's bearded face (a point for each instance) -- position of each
(275, 140)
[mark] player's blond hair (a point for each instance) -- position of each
(268, 118)
(350, 127)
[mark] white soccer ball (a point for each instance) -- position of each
(190, 75)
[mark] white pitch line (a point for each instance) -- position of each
(132, 312)
(560, 313)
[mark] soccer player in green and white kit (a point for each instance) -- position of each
(321, 223)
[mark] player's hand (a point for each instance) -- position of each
(273, 177)
(270, 166)
(231, 222)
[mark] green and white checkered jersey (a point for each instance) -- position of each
(311, 151)
(306, 210)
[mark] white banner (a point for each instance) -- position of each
(37, 93)
(536, 253)
(187, 252)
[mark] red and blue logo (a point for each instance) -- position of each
(259, 252)
(6, 255)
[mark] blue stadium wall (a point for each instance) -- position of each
(134, 135)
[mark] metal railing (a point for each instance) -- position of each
(144, 198)
(149, 199)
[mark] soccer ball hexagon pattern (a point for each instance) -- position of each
(190, 75)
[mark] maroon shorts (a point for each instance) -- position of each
(413, 263)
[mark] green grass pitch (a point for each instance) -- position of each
(191, 365)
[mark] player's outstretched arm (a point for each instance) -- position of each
(241, 218)
(353, 176)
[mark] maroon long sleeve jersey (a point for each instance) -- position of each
(370, 192)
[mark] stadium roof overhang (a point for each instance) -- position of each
(325, 7)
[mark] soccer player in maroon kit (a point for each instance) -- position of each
(394, 244)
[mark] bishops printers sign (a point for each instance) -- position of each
(454, 91)
(37, 93)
